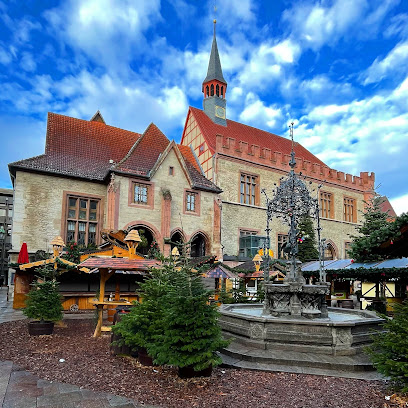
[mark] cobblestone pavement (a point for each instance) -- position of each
(21, 389)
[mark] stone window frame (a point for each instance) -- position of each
(347, 246)
(281, 242)
(256, 195)
(326, 212)
(150, 194)
(99, 215)
(197, 202)
(349, 202)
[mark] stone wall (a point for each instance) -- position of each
(236, 216)
(176, 184)
(38, 207)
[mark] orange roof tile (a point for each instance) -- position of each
(248, 134)
(80, 148)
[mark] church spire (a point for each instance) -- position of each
(215, 87)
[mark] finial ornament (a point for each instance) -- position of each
(292, 162)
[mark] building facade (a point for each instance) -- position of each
(94, 177)
(6, 220)
(243, 161)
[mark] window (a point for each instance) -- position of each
(191, 201)
(347, 248)
(171, 171)
(249, 243)
(212, 89)
(282, 240)
(201, 149)
(222, 91)
(82, 220)
(207, 91)
(328, 253)
(248, 189)
(326, 205)
(349, 210)
(140, 193)
(217, 90)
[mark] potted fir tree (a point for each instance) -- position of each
(190, 334)
(43, 303)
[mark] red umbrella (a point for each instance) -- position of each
(23, 254)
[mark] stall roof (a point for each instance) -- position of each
(220, 272)
(122, 264)
(348, 264)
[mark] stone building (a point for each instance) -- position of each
(243, 160)
(93, 176)
(6, 219)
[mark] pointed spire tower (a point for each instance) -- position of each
(215, 87)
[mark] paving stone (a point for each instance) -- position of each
(29, 402)
(115, 400)
(64, 388)
(58, 399)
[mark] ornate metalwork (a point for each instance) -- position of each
(292, 201)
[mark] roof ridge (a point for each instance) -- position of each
(92, 122)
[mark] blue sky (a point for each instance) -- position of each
(338, 68)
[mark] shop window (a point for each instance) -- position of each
(248, 189)
(250, 243)
(82, 220)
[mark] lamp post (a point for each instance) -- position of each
(2, 242)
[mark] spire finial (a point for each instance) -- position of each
(292, 162)
(215, 15)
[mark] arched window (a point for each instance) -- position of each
(147, 238)
(212, 89)
(222, 92)
(198, 246)
(217, 90)
(177, 240)
(329, 252)
(207, 91)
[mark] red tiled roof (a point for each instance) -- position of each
(80, 148)
(144, 154)
(386, 207)
(248, 134)
(120, 263)
(198, 178)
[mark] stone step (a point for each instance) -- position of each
(231, 362)
(241, 356)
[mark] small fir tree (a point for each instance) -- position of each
(389, 351)
(307, 240)
(373, 231)
(191, 334)
(44, 300)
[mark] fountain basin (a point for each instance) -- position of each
(326, 346)
(343, 332)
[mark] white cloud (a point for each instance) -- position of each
(400, 204)
(108, 33)
(395, 62)
(327, 22)
(5, 57)
(364, 135)
(256, 112)
(27, 62)
(233, 12)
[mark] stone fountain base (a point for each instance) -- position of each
(328, 346)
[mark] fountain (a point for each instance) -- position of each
(294, 330)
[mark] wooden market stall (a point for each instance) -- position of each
(107, 267)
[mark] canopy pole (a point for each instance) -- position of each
(105, 275)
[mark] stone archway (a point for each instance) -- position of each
(199, 245)
(177, 239)
(149, 232)
(330, 252)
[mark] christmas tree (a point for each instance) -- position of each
(307, 240)
(43, 302)
(374, 230)
(389, 351)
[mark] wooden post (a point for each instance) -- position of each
(117, 287)
(105, 275)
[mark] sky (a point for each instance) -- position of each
(337, 68)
